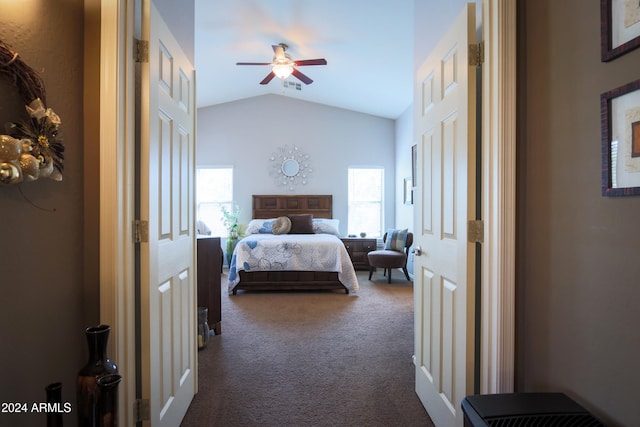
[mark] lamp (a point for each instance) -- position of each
(282, 70)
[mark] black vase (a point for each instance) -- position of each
(88, 392)
(108, 385)
(54, 397)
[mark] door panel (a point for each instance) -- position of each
(445, 201)
(167, 260)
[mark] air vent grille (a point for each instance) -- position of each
(292, 85)
(546, 420)
(526, 410)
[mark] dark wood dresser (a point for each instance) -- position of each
(209, 259)
(358, 248)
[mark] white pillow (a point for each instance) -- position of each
(260, 226)
(326, 226)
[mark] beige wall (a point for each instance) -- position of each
(41, 258)
(49, 256)
(578, 276)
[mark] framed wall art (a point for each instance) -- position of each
(620, 135)
(619, 27)
(414, 163)
(408, 191)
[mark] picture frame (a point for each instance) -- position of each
(408, 191)
(620, 140)
(619, 28)
(414, 163)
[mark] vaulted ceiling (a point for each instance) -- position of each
(368, 45)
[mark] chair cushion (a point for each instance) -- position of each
(387, 259)
(396, 240)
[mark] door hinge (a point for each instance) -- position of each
(476, 54)
(475, 231)
(141, 231)
(142, 50)
(142, 410)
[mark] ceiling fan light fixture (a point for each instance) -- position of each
(282, 70)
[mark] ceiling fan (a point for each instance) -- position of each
(283, 66)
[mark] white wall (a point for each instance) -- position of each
(245, 133)
(403, 143)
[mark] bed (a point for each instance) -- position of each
(280, 252)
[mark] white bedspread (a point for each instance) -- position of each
(301, 252)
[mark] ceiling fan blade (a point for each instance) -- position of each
(267, 79)
(304, 79)
(253, 63)
(320, 61)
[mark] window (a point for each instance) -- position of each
(366, 190)
(214, 189)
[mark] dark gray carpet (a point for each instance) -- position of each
(311, 359)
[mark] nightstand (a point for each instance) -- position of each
(209, 258)
(358, 248)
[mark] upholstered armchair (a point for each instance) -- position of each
(394, 254)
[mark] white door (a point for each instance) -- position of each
(445, 132)
(167, 260)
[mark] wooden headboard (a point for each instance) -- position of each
(273, 206)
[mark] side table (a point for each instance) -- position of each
(209, 261)
(358, 248)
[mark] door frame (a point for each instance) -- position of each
(498, 197)
(117, 193)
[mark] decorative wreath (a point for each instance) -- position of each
(31, 149)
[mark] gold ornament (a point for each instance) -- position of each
(10, 148)
(30, 167)
(10, 173)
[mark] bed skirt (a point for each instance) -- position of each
(288, 280)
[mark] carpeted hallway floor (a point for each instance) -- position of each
(311, 359)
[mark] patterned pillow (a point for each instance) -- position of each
(281, 225)
(326, 226)
(396, 240)
(260, 226)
